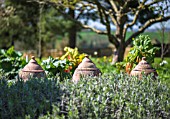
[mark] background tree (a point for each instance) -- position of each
(52, 24)
(41, 23)
(164, 45)
(5, 14)
(35, 23)
(20, 25)
(123, 14)
(71, 11)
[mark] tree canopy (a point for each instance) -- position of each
(30, 20)
(123, 14)
(43, 19)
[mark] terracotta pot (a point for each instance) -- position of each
(32, 69)
(145, 67)
(85, 68)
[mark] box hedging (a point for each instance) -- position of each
(108, 96)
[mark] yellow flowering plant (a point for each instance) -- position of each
(73, 56)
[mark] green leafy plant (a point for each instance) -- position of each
(142, 47)
(11, 62)
(56, 66)
(103, 63)
(64, 65)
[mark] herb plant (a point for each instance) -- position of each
(108, 96)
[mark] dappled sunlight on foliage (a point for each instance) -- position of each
(142, 47)
(64, 65)
(11, 62)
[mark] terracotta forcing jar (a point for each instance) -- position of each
(145, 67)
(32, 69)
(85, 68)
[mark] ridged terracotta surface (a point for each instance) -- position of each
(32, 69)
(143, 66)
(85, 68)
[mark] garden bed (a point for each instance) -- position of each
(108, 96)
(114, 94)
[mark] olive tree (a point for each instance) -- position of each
(124, 15)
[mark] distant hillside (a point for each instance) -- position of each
(91, 39)
(156, 30)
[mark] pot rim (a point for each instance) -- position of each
(32, 71)
(145, 70)
(84, 69)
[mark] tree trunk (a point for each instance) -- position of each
(162, 43)
(40, 49)
(12, 43)
(120, 52)
(115, 57)
(72, 33)
(121, 38)
(72, 37)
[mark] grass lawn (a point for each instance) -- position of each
(91, 38)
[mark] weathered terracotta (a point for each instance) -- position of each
(145, 67)
(32, 69)
(85, 68)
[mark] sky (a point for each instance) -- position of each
(155, 26)
(98, 25)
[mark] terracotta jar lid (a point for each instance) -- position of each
(32, 66)
(143, 66)
(86, 67)
(32, 69)
(87, 64)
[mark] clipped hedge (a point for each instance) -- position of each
(108, 96)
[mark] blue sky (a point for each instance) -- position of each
(98, 25)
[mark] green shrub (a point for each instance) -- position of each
(11, 62)
(55, 67)
(163, 70)
(108, 96)
(104, 64)
(34, 97)
(116, 96)
(64, 65)
(142, 47)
